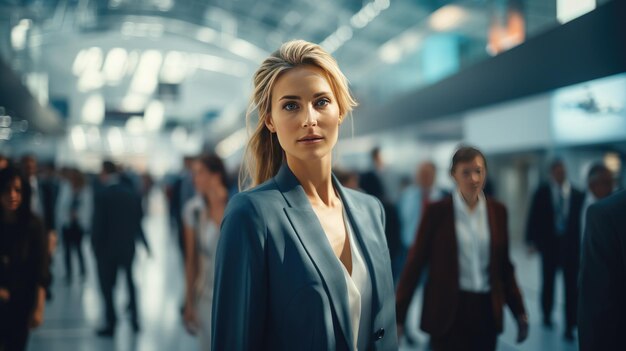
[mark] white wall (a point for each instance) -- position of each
(518, 125)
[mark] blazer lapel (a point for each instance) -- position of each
(491, 218)
(311, 234)
(363, 224)
(449, 225)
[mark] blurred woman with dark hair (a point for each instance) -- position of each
(23, 262)
(464, 241)
(202, 217)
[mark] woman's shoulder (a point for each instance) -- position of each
(255, 199)
(442, 204)
(499, 206)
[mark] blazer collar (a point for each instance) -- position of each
(310, 232)
(363, 225)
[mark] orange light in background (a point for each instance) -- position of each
(502, 37)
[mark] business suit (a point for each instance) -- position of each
(556, 251)
(602, 307)
(437, 247)
(116, 225)
(279, 285)
(372, 184)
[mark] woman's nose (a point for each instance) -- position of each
(310, 118)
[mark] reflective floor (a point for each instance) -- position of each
(75, 311)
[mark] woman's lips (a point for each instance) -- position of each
(311, 139)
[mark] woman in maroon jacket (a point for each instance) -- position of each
(463, 240)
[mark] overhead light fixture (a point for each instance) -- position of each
(87, 59)
(392, 51)
(207, 35)
(90, 80)
(19, 34)
(93, 135)
(131, 63)
(141, 29)
(78, 139)
(358, 21)
(79, 62)
(447, 18)
(179, 136)
(87, 66)
(5, 121)
(146, 75)
(93, 109)
(115, 65)
(613, 162)
(115, 140)
(219, 64)
(154, 115)
(246, 49)
(174, 67)
(5, 133)
(567, 10)
(135, 125)
(114, 3)
(164, 5)
(344, 33)
(133, 102)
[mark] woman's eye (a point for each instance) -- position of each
(290, 106)
(322, 102)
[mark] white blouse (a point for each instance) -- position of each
(472, 233)
(359, 291)
(195, 215)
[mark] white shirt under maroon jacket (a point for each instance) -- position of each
(472, 233)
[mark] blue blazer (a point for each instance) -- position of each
(279, 285)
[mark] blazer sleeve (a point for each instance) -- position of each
(533, 218)
(240, 290)
(418, 257)
(513, 296)
(602, 287)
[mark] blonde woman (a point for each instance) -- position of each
(302, 262)
(202, 216)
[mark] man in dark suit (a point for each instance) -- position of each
(602, 302)
(553, 228)
(116, 226)
(371, 182)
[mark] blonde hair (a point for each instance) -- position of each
(263, 155)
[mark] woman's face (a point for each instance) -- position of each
(470, 177)
(305, 114)
(203, 179)
(11, 198)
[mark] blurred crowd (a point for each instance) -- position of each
(44, 207)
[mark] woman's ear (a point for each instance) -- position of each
(270, 125)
